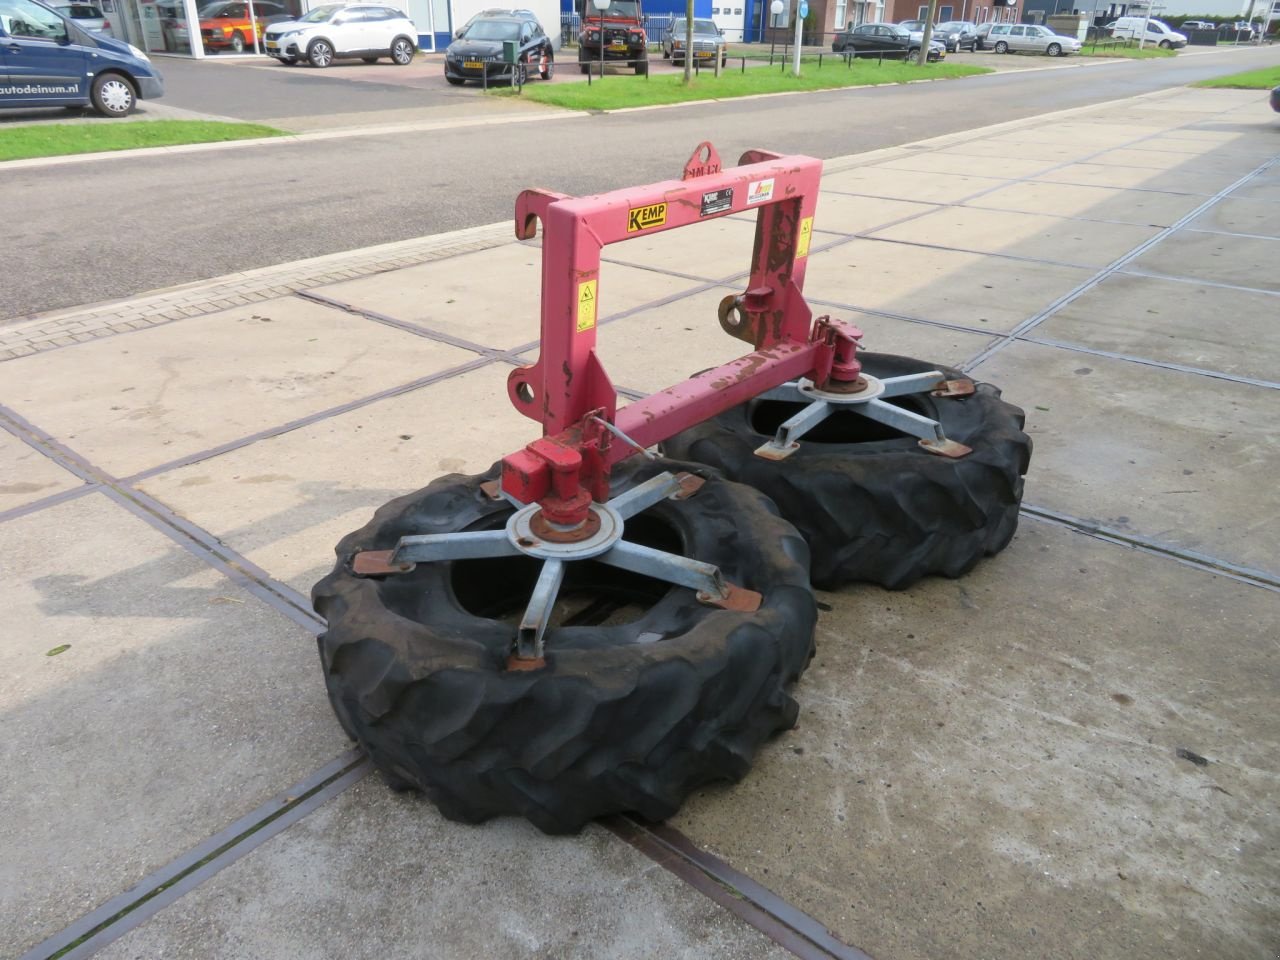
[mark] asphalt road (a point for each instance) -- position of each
(87, 232)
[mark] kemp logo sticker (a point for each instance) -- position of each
(642, 218)
(760, 191)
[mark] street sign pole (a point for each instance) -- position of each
(802, 11)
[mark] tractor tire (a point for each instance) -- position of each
(629, 713)
(873, 505)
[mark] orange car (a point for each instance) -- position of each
(226, 25)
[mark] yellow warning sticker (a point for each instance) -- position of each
(586, 305)
(642, 218)
(802, 242)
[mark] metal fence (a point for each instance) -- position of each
(655, 25)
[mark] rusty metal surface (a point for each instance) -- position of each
(954, 388)
(946, 448)
(377, 563)
(733, 598)
(689, 485)
(544, 529)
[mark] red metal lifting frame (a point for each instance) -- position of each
(568, 391)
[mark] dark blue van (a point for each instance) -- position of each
(48, 61)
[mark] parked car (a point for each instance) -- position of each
(52, 62)
(1275, 99)
(87, 15)
(1189, 25)
(227, 25)
(706, 37)
(477, 53)
(885, 38)
(1030, 38)
(981, 34)
(1158, 32)
(344, 31)
(1241, 30)
(957, 35)
(494, 12)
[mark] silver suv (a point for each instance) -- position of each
(344, 31)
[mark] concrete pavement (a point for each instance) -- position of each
(1006, 765)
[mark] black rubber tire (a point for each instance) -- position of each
(237, 42)
(402, 51)
(112, 95)
(320, 54)
(1002, 47)
(884, 510)
(1054, 50)
(642, 65)
(618, 719)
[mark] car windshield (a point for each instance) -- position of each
(320, 14)
(212, 9)
(493, 30)
(900, 31)
(622, 9)
(699, 26)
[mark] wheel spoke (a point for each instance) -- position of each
(899, 419)
(435, 547)
(682, 571)
(912, 383)
(790, 431)
(538, 612)
(641, 498)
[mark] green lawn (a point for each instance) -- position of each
(625, 90)
(1133, 53)
(60, 139)
(1263, 79)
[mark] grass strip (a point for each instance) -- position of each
(1131, 53)
(618, 91)
(62, 139)
(1263, 79)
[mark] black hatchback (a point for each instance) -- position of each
(477, 53)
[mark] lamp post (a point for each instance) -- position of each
(601, 6)
(802, 10)
(775, 8)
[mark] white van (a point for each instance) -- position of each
(1158, 32)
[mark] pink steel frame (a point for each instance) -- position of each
(568, 391)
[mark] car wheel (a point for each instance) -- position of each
(1055, 50)
(520, 76)
(1002, 47)
(546, 67)
(455, 81)
(401, 51)
(112, 95)
(642, 65)
(237, 42)
(320, 54)
(1165, 45)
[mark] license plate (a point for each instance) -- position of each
(620, 47)
(472, 64)
(704, 54)
(272, 46)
